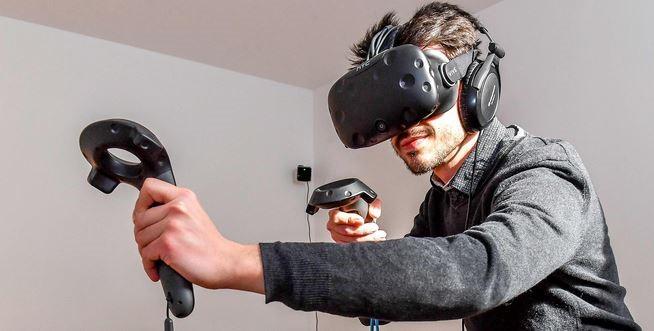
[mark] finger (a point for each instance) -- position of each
(150, 233)
(150, 268)
(354, 231)
(379, 235)
(376, 236)
(149, 217)
(339, 238)
(149, 258)
(340, 217)
(154, 190)
(374, 209)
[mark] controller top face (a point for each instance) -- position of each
(109, 170)
(338, 194)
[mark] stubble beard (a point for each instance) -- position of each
(434, 154)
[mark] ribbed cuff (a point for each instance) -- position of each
(296, 274)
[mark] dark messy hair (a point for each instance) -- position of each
(436, 23)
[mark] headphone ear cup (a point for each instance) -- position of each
(478, 106)
(468, 101)
(489, 97)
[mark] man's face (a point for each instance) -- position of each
(431, 142)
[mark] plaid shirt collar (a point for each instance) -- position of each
(488, 148)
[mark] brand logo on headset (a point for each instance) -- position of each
(362, 65)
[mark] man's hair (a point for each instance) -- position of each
(436, 23)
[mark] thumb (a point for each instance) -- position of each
(374, 209)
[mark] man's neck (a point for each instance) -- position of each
(456, 158)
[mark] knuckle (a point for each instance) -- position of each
(174, 224)
(148, 182)
(187, 193)
(348, 230)
(178, 207)
(138, 237)
(167, 244)
(166, 258)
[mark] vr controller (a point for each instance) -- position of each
(108, 170)
(349, 195)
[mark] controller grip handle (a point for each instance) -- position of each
(359, 206)
(178, 290)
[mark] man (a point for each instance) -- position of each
(511, 236)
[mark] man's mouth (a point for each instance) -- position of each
(412, 142)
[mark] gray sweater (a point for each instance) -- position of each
(536, 254)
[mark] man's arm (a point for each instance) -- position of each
(534, 229)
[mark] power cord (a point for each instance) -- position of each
(308, 223)
(309, 228)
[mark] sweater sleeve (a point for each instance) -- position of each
(533, 229)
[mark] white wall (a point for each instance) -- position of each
(578, 70)
(69, 261)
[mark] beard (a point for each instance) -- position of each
(434, 152)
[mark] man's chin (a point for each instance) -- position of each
(416, 165)
(414, 160)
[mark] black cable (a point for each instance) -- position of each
(472, 181)
(309, 227)
(308, 223)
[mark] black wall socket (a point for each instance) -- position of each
(303, 173)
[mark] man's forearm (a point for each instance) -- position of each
(248, 269)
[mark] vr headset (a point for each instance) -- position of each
(399, 86)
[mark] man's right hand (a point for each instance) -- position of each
(350, 227)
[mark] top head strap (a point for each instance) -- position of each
(383, 40)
